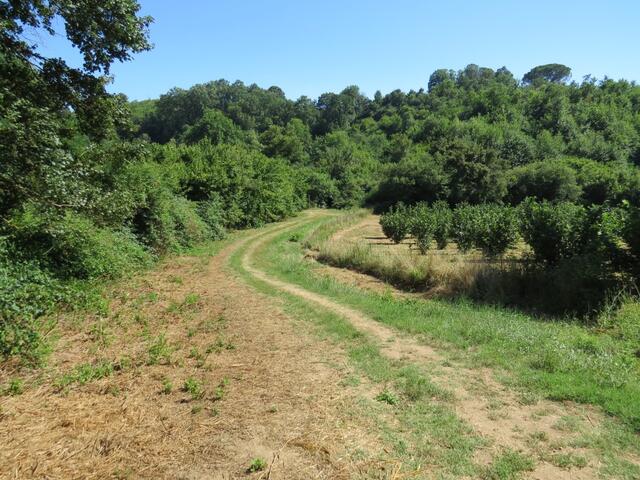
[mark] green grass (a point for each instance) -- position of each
(429, 433)
(578, 363)
(508, 465)
(558, 360)
(85, 373)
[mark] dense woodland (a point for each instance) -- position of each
(93, 186)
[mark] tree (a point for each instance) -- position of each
(38, 94)
(551, 72)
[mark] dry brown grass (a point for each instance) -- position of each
(267, 390)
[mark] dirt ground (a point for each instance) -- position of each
(270, 390)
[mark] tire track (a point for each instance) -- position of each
(475, 390)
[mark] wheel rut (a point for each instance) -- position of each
(493, 410)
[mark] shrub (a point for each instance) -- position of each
(497, 229)
(554, 231)
(442, 218)
(464, 226)
(422, 226)
(396, 223)
(631, 233)
(212, 213)
(72, 246)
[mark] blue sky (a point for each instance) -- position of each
(308, 47)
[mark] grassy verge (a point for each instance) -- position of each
(412, 415)
(561, 361)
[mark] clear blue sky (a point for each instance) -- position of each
(308, 47)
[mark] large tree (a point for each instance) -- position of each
(42, 99)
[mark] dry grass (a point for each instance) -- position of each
(189, 375)
(449, 273)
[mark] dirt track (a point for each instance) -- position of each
(283, 393)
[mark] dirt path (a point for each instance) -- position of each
(270, 390)
(494, 411)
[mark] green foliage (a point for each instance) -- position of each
(443, 220)
(465, 226)
(72, 246)
(396, 223)
(387, 396)
(551, 72)
(554, 231)
(257, 465)
(422, 226)
(546, 180)
(194, 388)
(497, 229)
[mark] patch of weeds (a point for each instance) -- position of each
(194, 388)
(159, 351)
(415, 386)
(175, 279)
(539, 436)
(197, 356)
(273, 409)
(568, 460)
(257, 465)
(15, 387)
(219, 345)
(568, 424)
(147, 297)
(113, 390)
(196, 409)
(387, 397)
(295, 237)
(167, 386)
(219, 392)
(508, 465)
(85, 373)
(351, 381)
(528, 398)
(191, 332)
(189, 303)
(101, 334)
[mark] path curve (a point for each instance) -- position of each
(517, 422)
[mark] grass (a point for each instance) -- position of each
(557, 360)
(577, 364)
(508, 465)
(429, 432)
(160, 351)
(85, 373)
(194, 388)
(257, 465)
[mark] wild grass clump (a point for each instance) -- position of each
(325, 230)
(412, 271)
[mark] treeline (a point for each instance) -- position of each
(474, 136)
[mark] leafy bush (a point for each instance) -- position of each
(72, 246)
(212, 213)
(396, 223)
(631, 233)
(496, 229)
(465, 226)
(422, 226)
(442, 219)
(554, 231)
